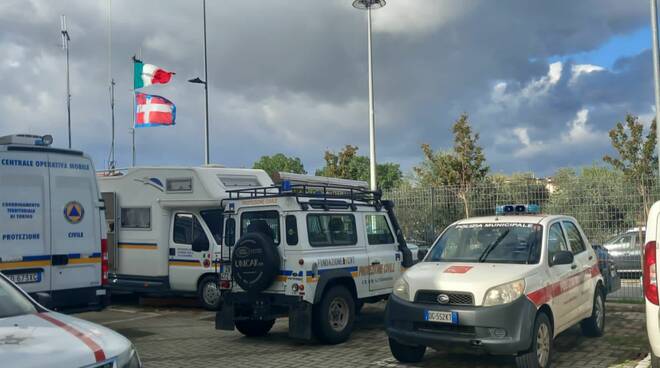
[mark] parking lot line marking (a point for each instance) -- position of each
(207, 315)
(133, 311)
(146, 316)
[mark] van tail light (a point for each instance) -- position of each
(104, 262)
(650, 273)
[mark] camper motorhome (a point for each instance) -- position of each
(52, 225)
(165, 227)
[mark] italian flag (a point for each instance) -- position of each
(148, 74)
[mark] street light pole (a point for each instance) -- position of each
(656, 66)
(206, 96)
(368, 5)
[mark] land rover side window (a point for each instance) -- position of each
(556, 240)
(268, 221)
(186, 228)
(574, 238)
(291, 230)
(213, 220)
(488, 242)
(378, 230)
(331, 230)
(136, 218)
(230, 232)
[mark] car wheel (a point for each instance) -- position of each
(208, 293)
(594, 326)
(655, 361)
(407, 353)
(254, 327)
(334, 316)
(540, 355)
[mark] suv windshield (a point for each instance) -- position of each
(489, 242)
(13, 302)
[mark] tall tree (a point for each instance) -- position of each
(461, 168)
(280, 162)
(636, 159)
(347, 164)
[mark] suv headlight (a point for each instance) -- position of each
(505, 293)
(401, 289)
(129, 359)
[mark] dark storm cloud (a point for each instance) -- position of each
(291, 78)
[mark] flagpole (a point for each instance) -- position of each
(132, 131)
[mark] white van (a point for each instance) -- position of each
(51, 222)
(650, 282)
(165, 227)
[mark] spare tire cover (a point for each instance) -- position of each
(255, 261)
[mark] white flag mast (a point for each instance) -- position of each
(65, 46)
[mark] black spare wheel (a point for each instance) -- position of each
(255, 261)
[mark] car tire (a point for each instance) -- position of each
(334, 316)
(655, 361)
(594, 326)
(540, 354)
(254, 327)
(209, 294)
(407, 353)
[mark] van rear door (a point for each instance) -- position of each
(24, 225)
(75, 222)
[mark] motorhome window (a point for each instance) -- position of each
(271, 218)
(237, 181)
(291, 230)
(179, 185)
(230, 232)
(213, 220)
(331, 230)
(186, 228)
(378, 230)
(136, 218)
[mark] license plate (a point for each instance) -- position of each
(25, 278)
(441, 317)
(225, 272)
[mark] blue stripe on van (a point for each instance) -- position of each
(36, 258)
(349, 269)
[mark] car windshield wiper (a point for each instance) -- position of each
(484, 255)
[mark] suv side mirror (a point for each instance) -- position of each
(421, 253)
(562, 258)
(200, 244)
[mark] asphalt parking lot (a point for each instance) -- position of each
(174, 335)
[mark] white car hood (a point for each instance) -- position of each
(55, 340)
(475, 278)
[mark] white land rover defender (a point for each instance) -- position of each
(313, 249)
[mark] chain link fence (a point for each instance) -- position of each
(610, 209)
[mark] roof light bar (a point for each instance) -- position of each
(517, 209)
(300, 179)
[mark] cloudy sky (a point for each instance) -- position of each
(543, 81)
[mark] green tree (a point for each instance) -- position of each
(460, 168)
(347, 164)
(280, 162)
(636, 159)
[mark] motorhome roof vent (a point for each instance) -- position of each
(27, 139)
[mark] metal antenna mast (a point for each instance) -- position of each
(65, 46)
(368, 5)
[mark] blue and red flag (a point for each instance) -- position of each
(152, 110)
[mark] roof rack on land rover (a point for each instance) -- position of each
(320, 192)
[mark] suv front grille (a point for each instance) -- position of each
(444, 328)
(455, 298)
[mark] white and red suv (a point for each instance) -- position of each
(504, 284)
